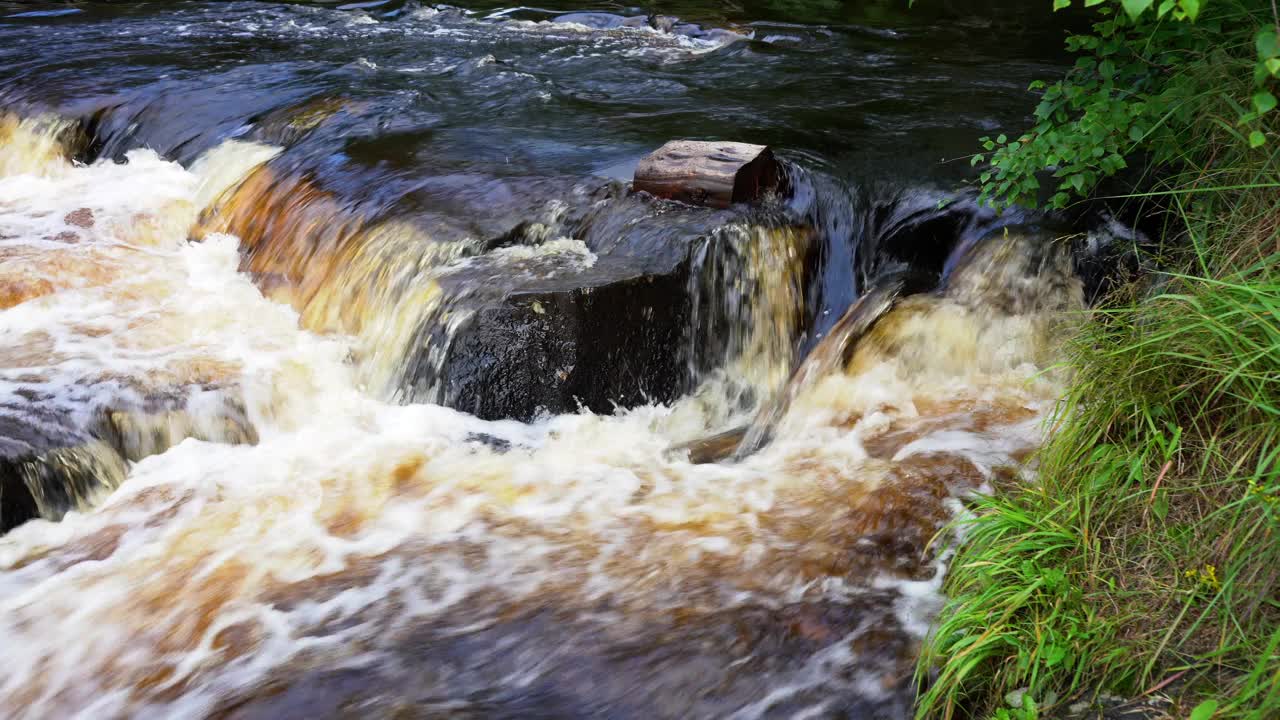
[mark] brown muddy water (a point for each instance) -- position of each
(341, 374)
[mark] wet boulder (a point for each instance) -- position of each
(589, 312)
(55, 459)
(48, 468)
(604, 21)
(620, 303)
(599, 339)
(503, 296)
(921, 232)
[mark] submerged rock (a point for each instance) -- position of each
(53, 461)
(604, 21)
(46, 471)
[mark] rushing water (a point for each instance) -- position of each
(341, 374)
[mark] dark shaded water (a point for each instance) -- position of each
(359, 367)
(875, 91)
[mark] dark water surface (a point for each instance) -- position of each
(871, 90)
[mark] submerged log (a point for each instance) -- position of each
(716, 174)
(712, 449)
(826, 358)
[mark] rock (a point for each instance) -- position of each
(716, 174)
(713, 448)
(580, 295)
(598, 339)
(621, 303)
(663, 23)
(51, 463)
(919, 232)
(46, 470)
(493, 442)
(603, 20)
(82, 218)
(1014, 697)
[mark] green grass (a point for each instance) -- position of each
(1147, 549)
(1143, 558)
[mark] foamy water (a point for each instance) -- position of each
(336, 548)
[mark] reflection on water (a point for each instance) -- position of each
(244, 370)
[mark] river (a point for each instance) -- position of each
(342, 374)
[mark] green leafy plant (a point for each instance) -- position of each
(1146, 75)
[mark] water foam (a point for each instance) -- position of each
(216, 569)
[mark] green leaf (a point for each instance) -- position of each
(1136, 7)
(1161, 506)
(1091, 3)
(1273, 67)
(1264, 102)
(1267, 43)
(1135, 133)
(1054, 654)
(1191, 8)
(1204, 710)
(1002, 139)
(1260, 74)
(1165, 7)
(1257, 139)
(1114, 162)
(1060, 4)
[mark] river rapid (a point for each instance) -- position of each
(341, 374)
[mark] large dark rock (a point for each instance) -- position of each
(599, 340)
(919, 232)
(625, 313)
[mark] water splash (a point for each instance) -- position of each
(827, 358)
(115, 345)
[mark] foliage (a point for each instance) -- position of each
(1148, 73)
(1144, 558)
(1149, 543)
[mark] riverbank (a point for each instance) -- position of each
(1142, 560)
(1144, 554)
